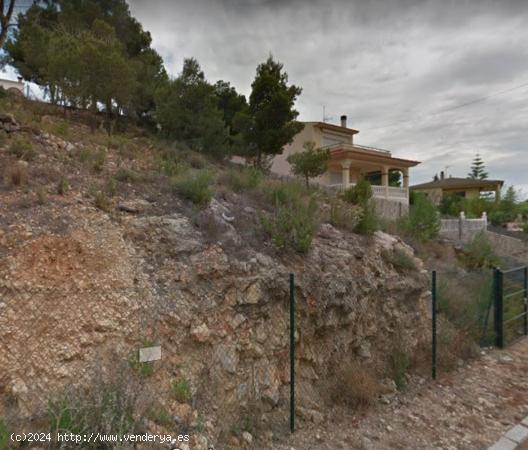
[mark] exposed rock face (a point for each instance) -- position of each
(71, 296)
(8, 123)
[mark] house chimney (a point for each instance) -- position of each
(442, 175)
(344, 121)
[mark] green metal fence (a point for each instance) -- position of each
(510, 305)
(462, 316)
(478, 308)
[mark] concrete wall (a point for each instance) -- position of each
(462, 229)
(309, 133)
(390, 209)
(508, 246)
(12, 85)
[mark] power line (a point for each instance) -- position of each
(453, 108)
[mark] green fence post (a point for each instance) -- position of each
(498, 310)
(526, 300)
(292, 352)
(433, 315)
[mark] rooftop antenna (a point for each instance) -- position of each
(325, 117)
(445, 170)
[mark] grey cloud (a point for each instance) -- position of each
(396, 67)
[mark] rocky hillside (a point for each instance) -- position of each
(101, 257)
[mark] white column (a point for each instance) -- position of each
(385, 179)
(345, 177)
(405, 172)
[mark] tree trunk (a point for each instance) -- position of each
(4, 20)
(307, 182)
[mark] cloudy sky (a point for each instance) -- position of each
(402, 70)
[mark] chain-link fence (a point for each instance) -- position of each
(511, 297)
(462, 316)
(482, 308)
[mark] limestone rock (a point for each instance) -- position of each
(201, 333)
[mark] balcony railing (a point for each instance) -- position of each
(389, 192)
(347, 146)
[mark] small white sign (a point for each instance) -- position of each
(150, 353)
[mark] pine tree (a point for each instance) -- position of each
(271, 121)
(478, 167)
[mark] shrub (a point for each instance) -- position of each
(61, 128)
(98, 160)
(141, 368)
(474, 207)
(243, 179)
(126, 175)
(525, 227)
(507, 209)
(356, 386)
(22, 149)
(4, 435)
(95, 159)
(195, 160)
(450, 205)
(453, 344)
(500, 217)
(42, 196)
(464, 299)
(63, 186)
(360, 194)
(479, 253)
(105, 407)
(423, 221)
(181, 390)
(369, 221)
(102, 202)
(293, 223)
(398, 366)
(111, 186)
(400, 259)
(344, 215)
(194, 186)
(159, 415)
(16, 174)
(170, 167)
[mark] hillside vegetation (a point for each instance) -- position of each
(114, 242)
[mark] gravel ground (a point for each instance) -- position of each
(469, 408)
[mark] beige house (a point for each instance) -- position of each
(462, 187)
(349, 162)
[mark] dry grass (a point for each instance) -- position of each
(356, 386)
(16, 174)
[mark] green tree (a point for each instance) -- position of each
(423, 221)
(128, 69)
(187, 110)
(232, 104)
(478, 169)
(507, 209)
(310, 163)
(271, 121)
